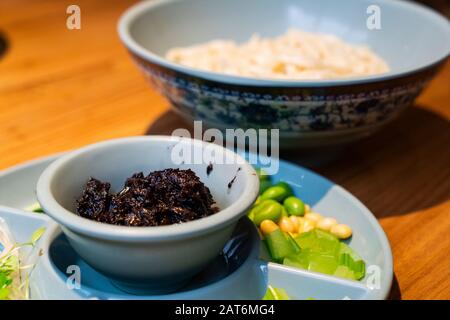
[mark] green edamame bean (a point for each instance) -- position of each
(251, 214)
(286, 186)
(284, 212)
(264, 185)
(257, 201)
(294, 206)
(267, 210)
(278, 192)
(262, 174)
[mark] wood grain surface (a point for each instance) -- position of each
(61, 89)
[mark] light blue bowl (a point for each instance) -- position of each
(157, 259)
(414, 40)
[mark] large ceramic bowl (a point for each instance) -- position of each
(147, 259)
(414, 40)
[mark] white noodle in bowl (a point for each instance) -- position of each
(294, 55)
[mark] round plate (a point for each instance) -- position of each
(17, 190)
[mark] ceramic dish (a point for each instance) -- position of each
(158, 259)
(414, 40)
(369, 241)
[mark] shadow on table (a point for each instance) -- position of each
(395, 293)
(3, 44)
(167, 123)
(403, 168)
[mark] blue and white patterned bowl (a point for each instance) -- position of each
(414, 41)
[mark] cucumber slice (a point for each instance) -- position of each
(323, 252)
(280, 245)
(276, 294)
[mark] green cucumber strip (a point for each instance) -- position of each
(280, 245)
(323, 252)
(276, 294)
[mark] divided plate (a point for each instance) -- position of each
(17, 190)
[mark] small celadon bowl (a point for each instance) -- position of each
(158, 259)
(412, 39)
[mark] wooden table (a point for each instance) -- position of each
(62, 89)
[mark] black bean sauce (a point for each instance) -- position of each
(160, 198)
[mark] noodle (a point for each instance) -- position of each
(293, 55)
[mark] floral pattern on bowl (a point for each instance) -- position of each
(295, 111)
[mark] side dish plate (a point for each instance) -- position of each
(17, 191)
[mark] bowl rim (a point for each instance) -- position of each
(91, 228)
(136, 10)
